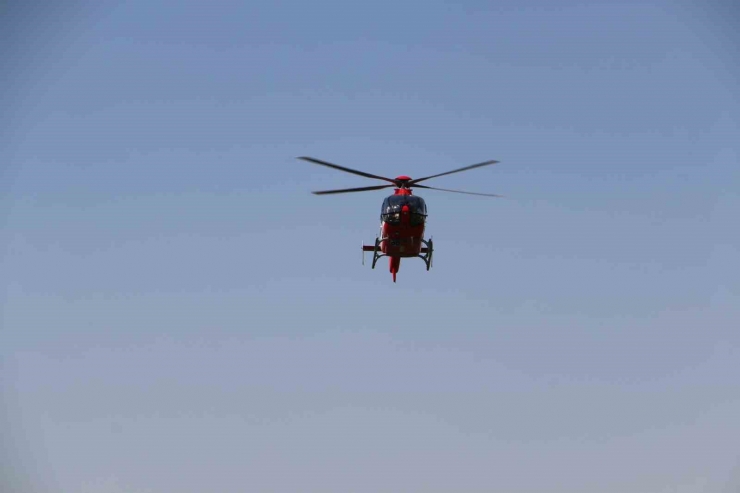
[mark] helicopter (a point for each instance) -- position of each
(403, 215)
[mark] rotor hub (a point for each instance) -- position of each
(403, 181)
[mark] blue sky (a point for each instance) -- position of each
(180, 314)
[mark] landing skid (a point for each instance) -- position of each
(426, 251)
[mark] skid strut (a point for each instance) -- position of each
(426, 252)
(377, 253)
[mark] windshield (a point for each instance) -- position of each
(391, 211)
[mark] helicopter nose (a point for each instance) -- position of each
(405, 214)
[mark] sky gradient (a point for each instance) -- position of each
(179, 314)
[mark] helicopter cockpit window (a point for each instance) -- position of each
(417, 219)
(392, 206)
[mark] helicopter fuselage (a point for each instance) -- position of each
(402, 222)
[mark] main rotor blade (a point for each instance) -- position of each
(413, 182)
(348, 170)
(347, 190)
(459, 191)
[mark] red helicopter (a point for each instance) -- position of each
(402, 216)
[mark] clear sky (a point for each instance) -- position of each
(179, 314)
